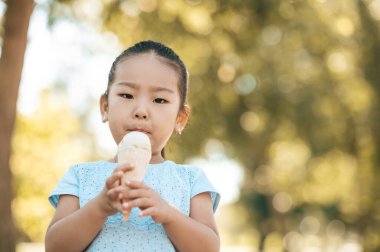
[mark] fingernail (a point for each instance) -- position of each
(141, 214)
(125, 205)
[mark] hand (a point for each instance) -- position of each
(111, 196)
(149, 201)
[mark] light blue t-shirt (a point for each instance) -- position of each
(176, 184)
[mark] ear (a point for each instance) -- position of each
(103, 102)
(182, 118)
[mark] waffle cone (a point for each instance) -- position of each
(135, 150)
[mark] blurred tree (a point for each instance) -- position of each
(14, 40)
(45, 144)
(370, 62)
(290, 88)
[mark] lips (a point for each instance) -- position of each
(140, 129)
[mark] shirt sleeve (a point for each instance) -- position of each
(67, 185)
(201, 184)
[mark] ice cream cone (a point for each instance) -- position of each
(134, 149)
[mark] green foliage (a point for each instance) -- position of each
(283, 86)
(44, 145)
(290, 88)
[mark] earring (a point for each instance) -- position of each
(104, 119)
(178, 130)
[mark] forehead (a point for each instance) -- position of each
(146, 68)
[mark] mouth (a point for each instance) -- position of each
(142, 130)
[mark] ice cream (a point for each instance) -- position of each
(134, 149)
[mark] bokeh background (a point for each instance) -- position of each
(285, 111)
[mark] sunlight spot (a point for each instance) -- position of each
(245, 84)
(282, 202)
(226, 72)
(271, 35)
(224, 173)
(374, 9)
(130, 8)
(213, 146)
(335, 228)
(237, 22)
(310, 225)
(350, 247)
(293, 241)
(289, 155)
(312, 243)
(250, 121)
(344, 26)
(337, 62)
(273, 242)
(30, 247)
(91, 9)
(2, 8)
(147, 5)
(197, 20)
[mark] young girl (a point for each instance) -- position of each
(172, 210)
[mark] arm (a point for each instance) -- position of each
(73, 228)
(196, 232)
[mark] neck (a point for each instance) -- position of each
(157, 158)
(154, 160)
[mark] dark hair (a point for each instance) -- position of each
(167, 54)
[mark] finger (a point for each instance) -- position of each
(136, 184)
(115, 193)
(117, 205)
(124, 168)
(113, 199)
(140, 203)
(135, 193)
(151, 211)
(114, 179)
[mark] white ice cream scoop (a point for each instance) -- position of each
(134, 149)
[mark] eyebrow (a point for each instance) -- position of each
(155, 89)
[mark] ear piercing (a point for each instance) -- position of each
(104, 119)
(178, 129)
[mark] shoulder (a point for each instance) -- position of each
(169, 170)
(199, 183)
(86, 167)
(88, 171)
(186, 172)
(190, 170)
(90, 165)
(181, 167)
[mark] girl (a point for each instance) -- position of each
(172, 210)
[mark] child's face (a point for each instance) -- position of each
(144, 96)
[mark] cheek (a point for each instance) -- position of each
(170, 116)
(117, 108)
(166, 124)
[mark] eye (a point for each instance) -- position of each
(160, 101)
(127, 96)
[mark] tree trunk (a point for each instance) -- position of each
(16, 23)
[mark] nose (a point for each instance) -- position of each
(140, 116)
(141, 111)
